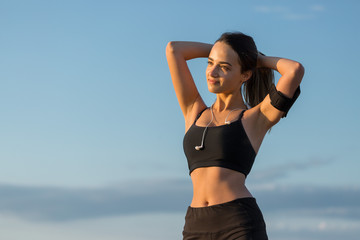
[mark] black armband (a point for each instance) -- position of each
(280, 101)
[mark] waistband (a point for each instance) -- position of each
(244, 200)
(219, 217)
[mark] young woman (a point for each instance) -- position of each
(221, 141)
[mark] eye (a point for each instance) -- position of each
(225, 68)
(210, 63)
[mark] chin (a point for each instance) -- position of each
(214, 90)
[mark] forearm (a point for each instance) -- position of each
(282, 65)
(291, 72)
(188, 50)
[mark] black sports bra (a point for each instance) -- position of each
(226, 146)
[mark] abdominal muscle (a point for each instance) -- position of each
(215, 185)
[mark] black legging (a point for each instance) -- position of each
(240, 219)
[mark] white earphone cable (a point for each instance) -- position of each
(203, 136)
(212, 118)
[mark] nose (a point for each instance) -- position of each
(214, 71)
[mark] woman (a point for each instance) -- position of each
(221, 141)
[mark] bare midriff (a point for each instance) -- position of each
(215, 185)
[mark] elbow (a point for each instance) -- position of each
(171, 48)
(299, 70)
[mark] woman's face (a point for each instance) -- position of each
(223, 72)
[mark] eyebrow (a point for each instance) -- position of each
(220, 62)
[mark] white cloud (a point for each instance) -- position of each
(271, 9)
(298, 16)
(152, 226)
(292, 227)
(61, 204)
(317, 8)
(288, 13)
(282, 170)
(322, 226)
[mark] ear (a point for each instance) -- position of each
(246, 75)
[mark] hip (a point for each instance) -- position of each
(240, 217)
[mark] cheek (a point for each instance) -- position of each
(233, 81)
(232, 77)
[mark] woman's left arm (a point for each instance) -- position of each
(291, 72)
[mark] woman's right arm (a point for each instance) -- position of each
(177, 53)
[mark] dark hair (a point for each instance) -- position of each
(257, 87)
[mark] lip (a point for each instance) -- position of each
(212, 81)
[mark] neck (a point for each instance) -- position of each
(228, 102)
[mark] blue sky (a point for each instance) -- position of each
(91, 131)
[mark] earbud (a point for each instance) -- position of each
(227, 122)
(198, 147)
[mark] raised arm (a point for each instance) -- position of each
(177, 53)
(291, 72)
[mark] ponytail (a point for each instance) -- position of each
(258, 86)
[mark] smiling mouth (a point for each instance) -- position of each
(213, 82)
